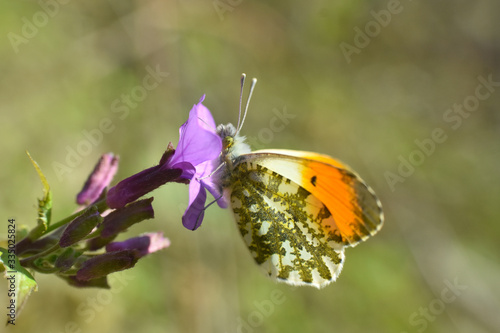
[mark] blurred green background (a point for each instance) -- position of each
(364, 80)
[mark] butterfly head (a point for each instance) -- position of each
(227, 134)
(233, 144)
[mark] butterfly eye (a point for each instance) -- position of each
(227, 142)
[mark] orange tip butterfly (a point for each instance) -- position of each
(297, 211)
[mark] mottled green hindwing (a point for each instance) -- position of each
(280, 223)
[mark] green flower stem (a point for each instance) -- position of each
(44, 270)
(69, 272)
(101, 206)
(37, 233)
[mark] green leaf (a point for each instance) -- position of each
(44, 204)
(20, 279)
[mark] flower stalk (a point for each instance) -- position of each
(81, 248)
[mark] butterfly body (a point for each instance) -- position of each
(296, 211)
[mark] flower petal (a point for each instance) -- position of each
(193, 216)
(214, 190)
(204, 170)
(198, 141)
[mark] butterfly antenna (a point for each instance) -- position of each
(198, 219)
(252, 86)
(242, 84)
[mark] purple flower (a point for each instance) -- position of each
(198, 143)
(201, 145)
(144, 244)
(99, 179)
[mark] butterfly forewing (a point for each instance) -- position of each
(287, 229)
(356, 211)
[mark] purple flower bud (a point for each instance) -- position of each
(98, 242)
(66, 259)
(101, 282)
(99, 179)
(122, 218)
(144, 244)
(105, 264)
(134, 187)
(26, 245)
(80, 227)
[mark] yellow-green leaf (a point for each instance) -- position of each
(44, 204)
(20, 284)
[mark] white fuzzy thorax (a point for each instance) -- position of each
(238, 147)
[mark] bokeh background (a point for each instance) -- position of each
(363, 81)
